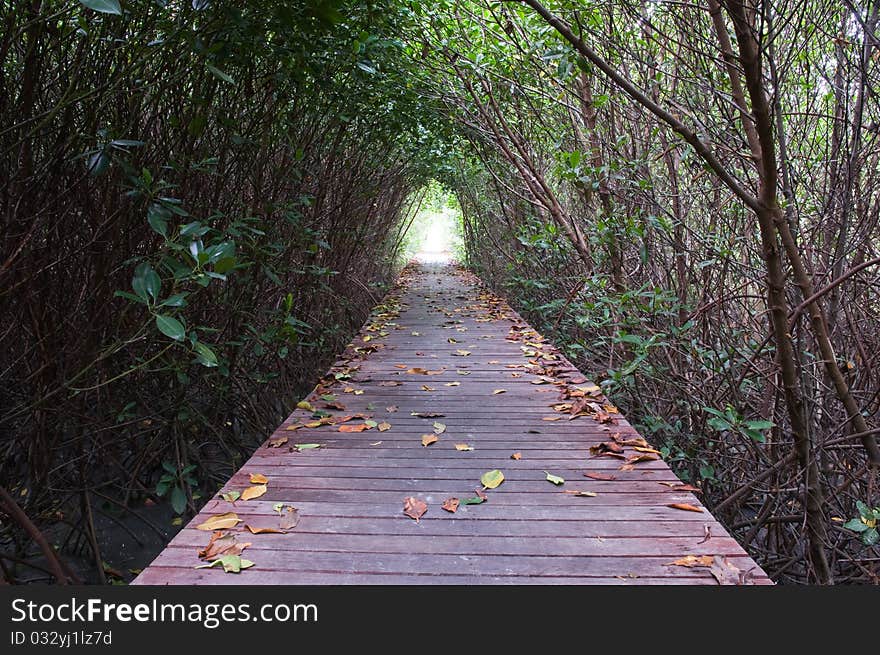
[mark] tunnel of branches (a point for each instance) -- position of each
(200, 202)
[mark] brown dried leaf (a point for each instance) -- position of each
(290, 518)
(463, 446)
(428, 439)
(414, 508)
(260, 529)
(277, 442)
(516, 456)
(680, 486)
(427, 414)
(390, 383)
(384, 426)
(258, 478)
(253, 492)
(600, 476)
(360, 427)
(222, 544)
(691, 561)
(451, 504)
(685, 506)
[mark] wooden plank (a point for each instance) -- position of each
(350, 491)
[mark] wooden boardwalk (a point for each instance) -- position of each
(440, 344)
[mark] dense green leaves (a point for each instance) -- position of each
(103, 6)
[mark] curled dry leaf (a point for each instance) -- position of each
(680, 486)
(414, 508)
(577, 492)
(253, 492)
(426, 414)
(220, 522)
(289, 519)
(552, 418)
(498, 391)
(452, 384)
(516, 456)
(599, 476)
(439, 428)
(685, 506)
(263, 529)
(222, 544)
(428, 439)
(451, 505)
(463, 446)
(390, 383)
(384, 426)
(555, 479)
(391, 409)
(277, 442)
(258, 478)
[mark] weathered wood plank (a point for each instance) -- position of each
(350, 491)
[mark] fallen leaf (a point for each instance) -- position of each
(460, 372)
(555, 479)
(391, 409)
(306, 446)
(258, 478)
(463, 446)
(371, 424)
(491, 479)
(691, 561)
(575, 492)
(450, 504)
(222, 544)
(426, 414)
(400, 366)
(599, 476)
(685, 506)
(277, 442)
(306, 405)
(220, 522)
(497, 391)
(679, 486)
(253, 492)
(476, 500)
(425, 387)
(439, 428)
(461, 353)
(290, 518)
(360, 427)
(230, 496)
(390, 383)
(263, 529)
(726, 572)
(384, 426)
(336, 405)
(552, 418)
(428, 439)
(516, 456)
(376, 443)
(452, 384)
(414, 508)
(642, 457)
(707, 534)
(230, 564)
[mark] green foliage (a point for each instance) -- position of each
(865, 525)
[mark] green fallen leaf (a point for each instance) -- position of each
(230, 563)
(491, 479)
(277, 507)
(230, 496)
(476, 500)
(555, 479)
(306, 446)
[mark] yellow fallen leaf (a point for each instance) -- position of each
(497, 391)
(220, 522)
(253, 492)
(463, 446)
(685, 506)
(692, 560)
(491, 479)
(306, 405)
(259, 478)
(384, 426)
